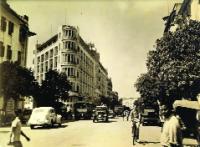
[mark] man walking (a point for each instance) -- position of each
(16, 131)
(171, 135)
(135, 118)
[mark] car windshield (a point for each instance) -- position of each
(40, 110)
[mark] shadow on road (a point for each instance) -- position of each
(110, 121)
(54, 127)
(143, 142)
(4, 131)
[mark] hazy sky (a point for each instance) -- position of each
(123, 31)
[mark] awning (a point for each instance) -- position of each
(187, 104)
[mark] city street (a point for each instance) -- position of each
(85, 133)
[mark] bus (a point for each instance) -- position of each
(83, 110)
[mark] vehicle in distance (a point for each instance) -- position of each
(100, 114)
(83, 110)
(44, 116)
(119, 110)
(150, 116)
(111, 113)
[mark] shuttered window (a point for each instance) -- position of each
(19, 57)
(3, 23)
(2, 49)
(9, 52)
(10, 28)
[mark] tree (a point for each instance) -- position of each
(16, 81)
(54, 89)
(173, 67)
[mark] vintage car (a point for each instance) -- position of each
(100, 114)
(44, 116)
(149, 116)
(83, 110)
(188, 111)
(111, 113)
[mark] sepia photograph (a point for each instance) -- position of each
(100, 73)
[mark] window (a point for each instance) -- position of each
(46, 66)
(51, 53)
(55, 62)
(3, 24)
(77, 88)
(42, 67)
(46, 56)
(10, 28)
(51, 64)
(42, 58)
(2, 49)
(38, 68)
(56, 51)
(68, 59)
(9, 52)
(19, 57)
(38, 60)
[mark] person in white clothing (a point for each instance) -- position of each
(16, 132)
(171, 135)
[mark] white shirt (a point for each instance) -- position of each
(16, 129)
(171, 132)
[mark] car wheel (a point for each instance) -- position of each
(32, 126)
(52, 124)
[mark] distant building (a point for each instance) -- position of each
(128, 102)
(67, 52)
(14, 33)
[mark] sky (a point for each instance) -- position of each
(123, 31)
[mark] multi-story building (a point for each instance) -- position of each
(109, 90)
(181, 13)
(67, 52)
(14, 33)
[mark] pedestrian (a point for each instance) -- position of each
(127, 115)
(16, 131)
(136, 120)
(171, 135)
(198, 127)
(123, 114)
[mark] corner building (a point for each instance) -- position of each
(67, 52)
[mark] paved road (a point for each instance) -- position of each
(85, 133)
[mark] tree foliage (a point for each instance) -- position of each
(54, 88)
(16, 81)
(173, 67)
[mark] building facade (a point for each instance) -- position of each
(182, 13)
(67, 52)
(14, 33)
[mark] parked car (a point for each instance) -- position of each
(150, 116)
(119, 110)
(100, 114)
(44, 116)
(185, 108)
(111, 114)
